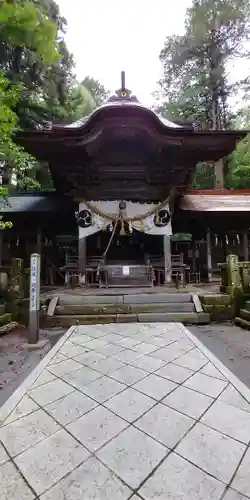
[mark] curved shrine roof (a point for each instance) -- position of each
(124, 111)
(118, 104)
(125, 150)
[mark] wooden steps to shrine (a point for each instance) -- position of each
(124, 308)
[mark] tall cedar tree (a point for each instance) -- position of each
(195, 84)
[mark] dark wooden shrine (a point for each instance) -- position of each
(124, 150)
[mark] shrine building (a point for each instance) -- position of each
(122, 213)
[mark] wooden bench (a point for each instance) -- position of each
(178, 268)
(95, 272)
(70, 269)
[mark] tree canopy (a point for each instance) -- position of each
(26, 37)
(83, 98)
(37, 82)
(196, 84)
(239, 166)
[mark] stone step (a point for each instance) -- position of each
(243, 323)
(156, 298)
(77, 299)
(178, 317)
(123, 308)
(66, 321)
(79, 309)
(172, 307)
(245, 314)
(129, 299)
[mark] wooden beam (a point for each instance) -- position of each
(245, 246)
(209, 254)
(39, 241)
(219, 174)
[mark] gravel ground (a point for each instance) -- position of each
(230, 344)
(16, 362)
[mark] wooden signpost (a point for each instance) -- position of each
(34, 305)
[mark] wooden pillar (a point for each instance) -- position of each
(224, 247)
(1, 247)
(167, 258)
(82, 256)
(219, 175)
(245, 246)
(39, 241)
(209, 255)
(39, 250)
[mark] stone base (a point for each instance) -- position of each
(243, 323)
(8, 328)
(54, 333)
(35, 347)
(191, 318)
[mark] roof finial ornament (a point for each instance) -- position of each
(123, 94)
(123, 86)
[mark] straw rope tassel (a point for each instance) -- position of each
(122, 231)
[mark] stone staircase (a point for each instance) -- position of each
(67, 310)
(243, 319)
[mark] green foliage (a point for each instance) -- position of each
(10, 152)
(5, 224)
(84, 98)
(28, 46)
(239, 166)
(195, 84)
(204, 177)
(79, 103)
(25, 27)
(81, 100)
(37, 84)
(4, 200)
(33, 57)
(97, 91)
(34, 54)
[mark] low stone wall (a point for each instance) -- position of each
(220, 307)
(14, 285)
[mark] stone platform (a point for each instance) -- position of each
(127, 411)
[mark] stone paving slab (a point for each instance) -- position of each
(127, 411)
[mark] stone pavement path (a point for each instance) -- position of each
(127, 411)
